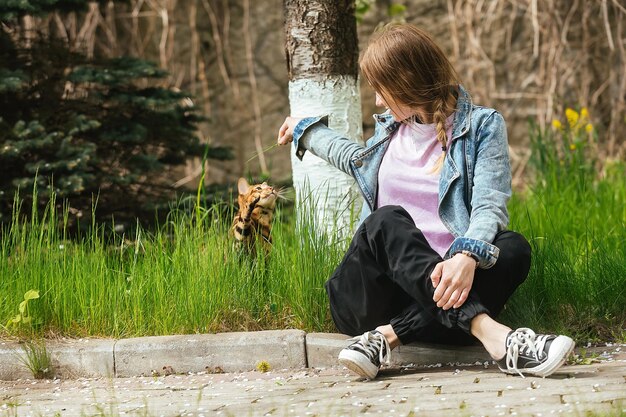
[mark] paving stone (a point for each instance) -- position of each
(399, 391)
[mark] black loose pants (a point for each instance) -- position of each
(384, 278)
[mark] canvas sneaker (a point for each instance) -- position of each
(528, 353)
(366, 354)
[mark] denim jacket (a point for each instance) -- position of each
(475, 182)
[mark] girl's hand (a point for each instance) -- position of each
(285, 133)
(453, 280)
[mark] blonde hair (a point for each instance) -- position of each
(405, 66)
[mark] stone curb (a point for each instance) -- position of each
(323, 348)
(69, 358)
(223, 352)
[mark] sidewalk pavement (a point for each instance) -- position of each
(321, 389)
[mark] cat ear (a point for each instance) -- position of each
(243, 185)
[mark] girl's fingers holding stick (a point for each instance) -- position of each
(284, 134)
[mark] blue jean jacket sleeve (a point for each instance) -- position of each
(491, 191)
(314, 135)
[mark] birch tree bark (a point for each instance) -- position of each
(322, 61)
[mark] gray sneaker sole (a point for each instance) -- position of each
(358, 363)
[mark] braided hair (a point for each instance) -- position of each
(405, 66)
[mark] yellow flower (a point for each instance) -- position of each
(556, 124)
(588, 128)
(584, 114)
(572, 117)
(572, 147)
(263, 366)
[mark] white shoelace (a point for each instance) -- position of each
(375, 342)
(526, 342)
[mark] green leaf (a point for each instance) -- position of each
(14, 320)
(396, 10)
(361, 8)
(22, 307)
(31, 295)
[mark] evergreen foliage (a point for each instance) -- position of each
(85, 127)
(12, 9)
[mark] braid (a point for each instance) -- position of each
(439, 117)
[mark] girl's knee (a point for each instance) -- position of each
(388, 214)
(515, 251)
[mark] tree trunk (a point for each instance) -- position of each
(322, 62)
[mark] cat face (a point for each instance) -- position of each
(267, 194)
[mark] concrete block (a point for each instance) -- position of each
(224, 352)
(82, 358)
(10, 366)
(71, 358)
(421, 354)
(323, 349)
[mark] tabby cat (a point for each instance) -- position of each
(254, 218)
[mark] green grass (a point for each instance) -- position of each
(574, 215)
(37, 359)
(185, 277)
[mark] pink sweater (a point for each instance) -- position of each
(405, 179)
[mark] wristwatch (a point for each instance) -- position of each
(471, 255)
